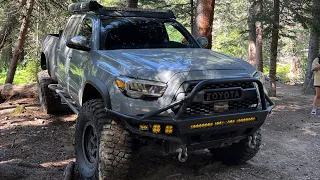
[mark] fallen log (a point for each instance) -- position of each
(8, 91)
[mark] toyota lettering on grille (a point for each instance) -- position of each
(222, 95)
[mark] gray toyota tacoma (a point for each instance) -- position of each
(139, 78)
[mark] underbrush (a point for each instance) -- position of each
(24, 74)
(282, 72)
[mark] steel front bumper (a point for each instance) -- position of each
(200, 131)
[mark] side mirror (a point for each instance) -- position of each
(79, 43)
(203, 41)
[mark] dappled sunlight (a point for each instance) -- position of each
(37, 138)
(312, 129)
(309, 132)
(57, 163)
(292, 107)
(22, 122)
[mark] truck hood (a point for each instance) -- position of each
(163, 64)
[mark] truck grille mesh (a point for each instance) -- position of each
(245, 104)
(234, 106)
(243, 85)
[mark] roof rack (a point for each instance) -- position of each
(94, 6)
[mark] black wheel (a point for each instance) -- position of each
(240, 152)
(49, 100)
(103, 146)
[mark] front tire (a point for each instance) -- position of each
(241, 152)
(103, 146)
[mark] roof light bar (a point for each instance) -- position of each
(84, 6)
(94, 6)
(134, 9)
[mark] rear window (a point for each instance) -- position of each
(143, 33)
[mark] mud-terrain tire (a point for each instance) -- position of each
(103, 146)
(49, 100)
(241, 152)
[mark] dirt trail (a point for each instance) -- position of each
(290, 149)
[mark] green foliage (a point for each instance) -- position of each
(282, 71)
(32, 68)
(228, 28)
(173, 33)
(230, 42)
(24, 75)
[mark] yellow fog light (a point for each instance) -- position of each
(156, 128)
(169, 130)
(144, 127)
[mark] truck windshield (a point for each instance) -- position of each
(143, 33)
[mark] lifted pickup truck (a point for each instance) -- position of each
(138, 77)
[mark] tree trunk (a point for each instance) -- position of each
(20, 42)
(192, 16)
(132, 3)
(259, 42)
(204, 19)
(312, 54)
(313, 49)
(274, 49)
(252, 33)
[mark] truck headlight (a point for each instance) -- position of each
(136, 88)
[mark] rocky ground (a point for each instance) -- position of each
(37, 146)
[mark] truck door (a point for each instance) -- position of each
(79, 60)
(63, 51)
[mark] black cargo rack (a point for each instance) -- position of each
(93, 6)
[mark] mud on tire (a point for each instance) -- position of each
(241, 152)
(108, 156)
(49, 100)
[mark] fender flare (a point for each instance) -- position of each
(101, 87)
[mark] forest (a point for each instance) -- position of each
(279, 37)
(122, 126)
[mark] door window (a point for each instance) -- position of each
(86, 29)
(174, 34)
(71, 28)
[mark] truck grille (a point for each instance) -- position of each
(200, 108)
(243, 85)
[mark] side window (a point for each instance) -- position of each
(71, 28)
(174, 34)
(86, 29)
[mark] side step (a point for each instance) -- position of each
(59, 90)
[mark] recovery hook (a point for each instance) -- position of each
(183, 154)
